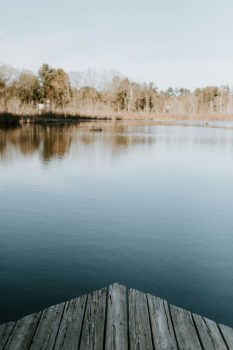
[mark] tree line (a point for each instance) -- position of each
(52, 89)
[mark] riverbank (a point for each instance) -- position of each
(14, 120)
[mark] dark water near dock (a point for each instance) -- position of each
(146, 205)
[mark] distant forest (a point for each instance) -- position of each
(103, 94)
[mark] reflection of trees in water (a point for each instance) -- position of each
(26, 140)
(3, 142)
(50, 141)
(29, 140)
(55, 140)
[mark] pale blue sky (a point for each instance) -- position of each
(170, 42)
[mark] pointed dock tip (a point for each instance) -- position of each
(113, 318)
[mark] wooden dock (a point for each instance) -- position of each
(115, 318)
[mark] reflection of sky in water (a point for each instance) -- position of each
(148, 206)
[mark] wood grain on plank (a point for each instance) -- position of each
(47, 329)
(228, 335)
(185, 331)
(139, 324)
(117, 323)
(5, 331)
(71, 324)
(209, 333)
(92, 337)
(23, 332)
(161, 324)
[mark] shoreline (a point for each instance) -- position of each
(13, 120)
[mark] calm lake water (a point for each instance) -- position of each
(146, 205)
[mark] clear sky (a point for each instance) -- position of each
(184, 43)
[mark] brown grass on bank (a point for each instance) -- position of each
(70, 114)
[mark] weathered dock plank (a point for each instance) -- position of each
(70, 328)
(161, 324)
(139, 322)
(115, 319)
(228, 335)
(46, 332)
(185, 331)
(23, 332)
(5, 331)
(117, 323)
(209, 333)
(92, 337)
